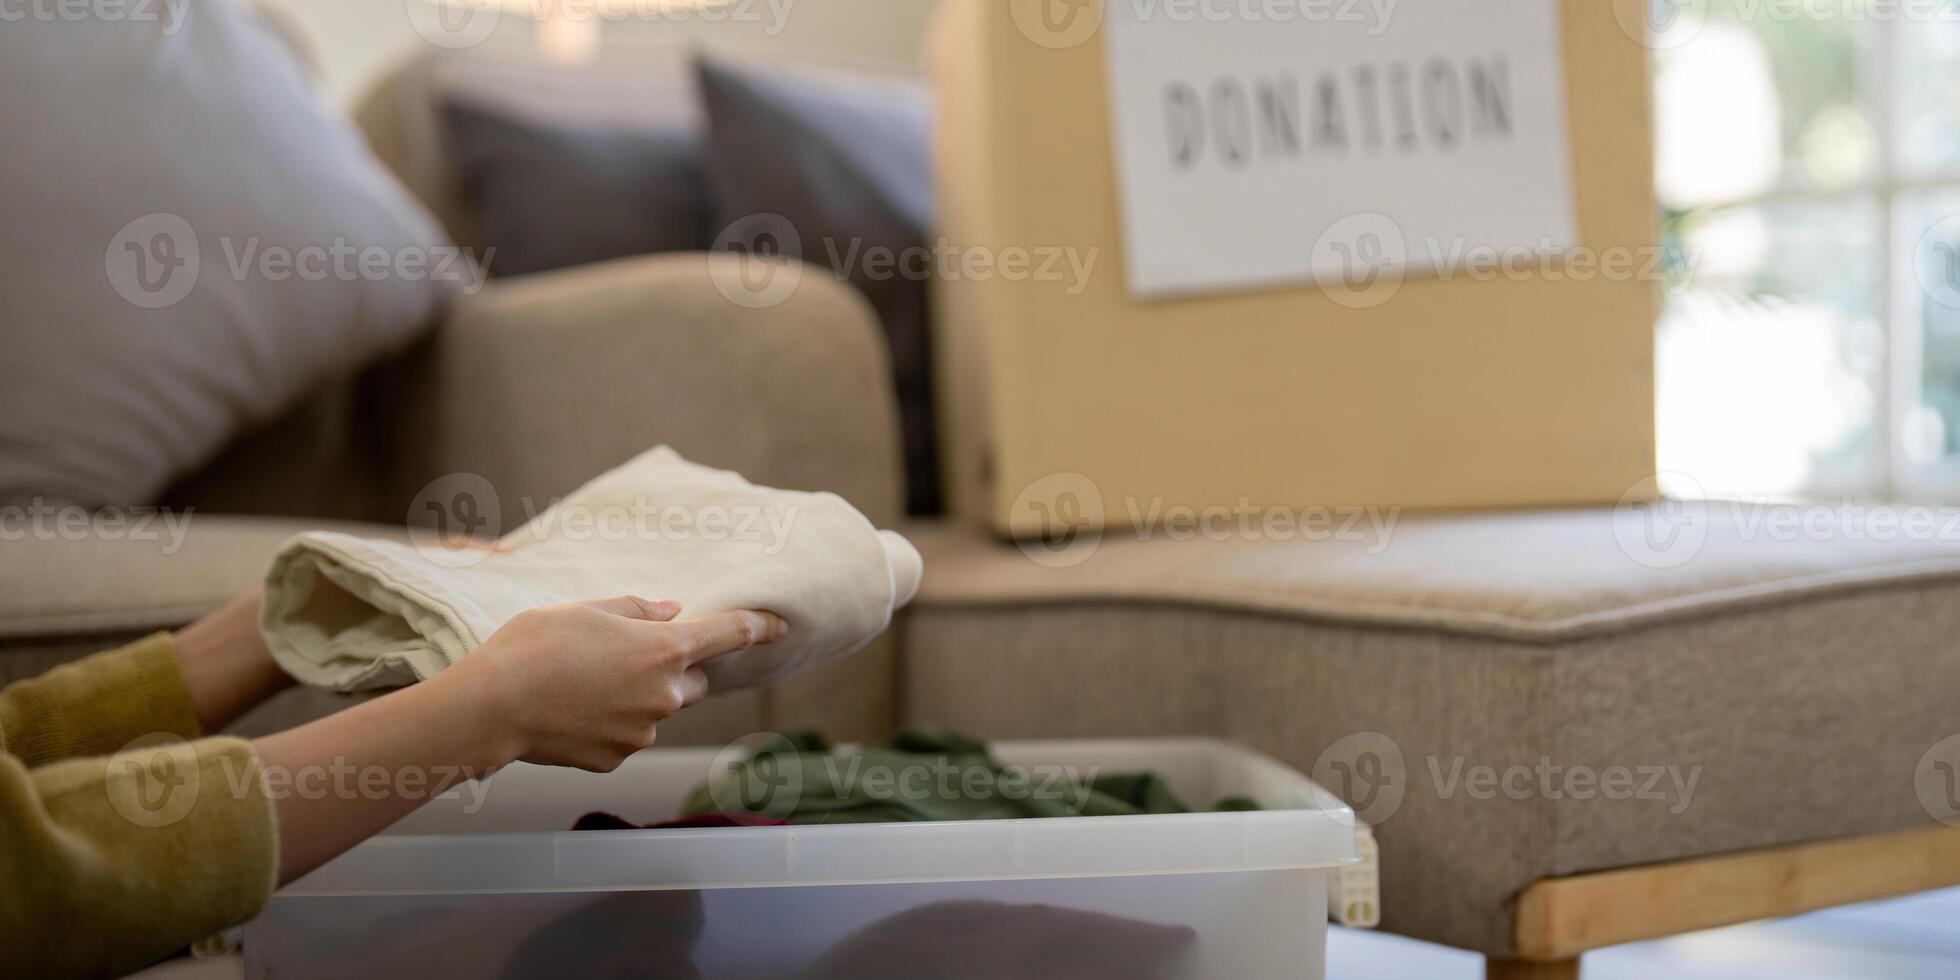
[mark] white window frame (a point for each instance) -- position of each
(1900, 383)
(1901, 298)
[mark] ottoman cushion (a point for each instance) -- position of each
(1509, 697)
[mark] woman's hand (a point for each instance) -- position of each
(583, 684)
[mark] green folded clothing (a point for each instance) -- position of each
(921, 774)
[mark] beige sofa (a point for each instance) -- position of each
(508, 389)
(1801, 682)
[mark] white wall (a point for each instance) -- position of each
(353, 39)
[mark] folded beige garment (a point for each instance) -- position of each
(353, 614)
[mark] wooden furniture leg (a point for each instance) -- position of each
(1498, 969)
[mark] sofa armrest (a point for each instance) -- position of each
(538, 383)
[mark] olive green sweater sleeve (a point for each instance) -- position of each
(121, 840)
(97, 705)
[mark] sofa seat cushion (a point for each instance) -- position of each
(1545, 576)
(1472, 683)
(149, 570)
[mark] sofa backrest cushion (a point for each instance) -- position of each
(403, 115)
(549, 195)
(193, 242)
(835, 168)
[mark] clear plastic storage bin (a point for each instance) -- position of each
(508, 891)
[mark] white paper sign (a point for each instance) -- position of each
(1335, 141)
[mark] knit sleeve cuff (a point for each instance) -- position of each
(97, 705)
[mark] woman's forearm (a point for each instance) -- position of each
(226, 665)
(581, 684)
(346, 777)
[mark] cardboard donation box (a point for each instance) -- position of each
(1292, 255)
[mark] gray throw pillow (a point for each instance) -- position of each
(192, 241)
(845, 161)
(546, 196)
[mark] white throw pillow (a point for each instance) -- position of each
(192, 241)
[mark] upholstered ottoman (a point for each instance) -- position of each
(1519, 701)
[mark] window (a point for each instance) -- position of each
(1809, 167)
